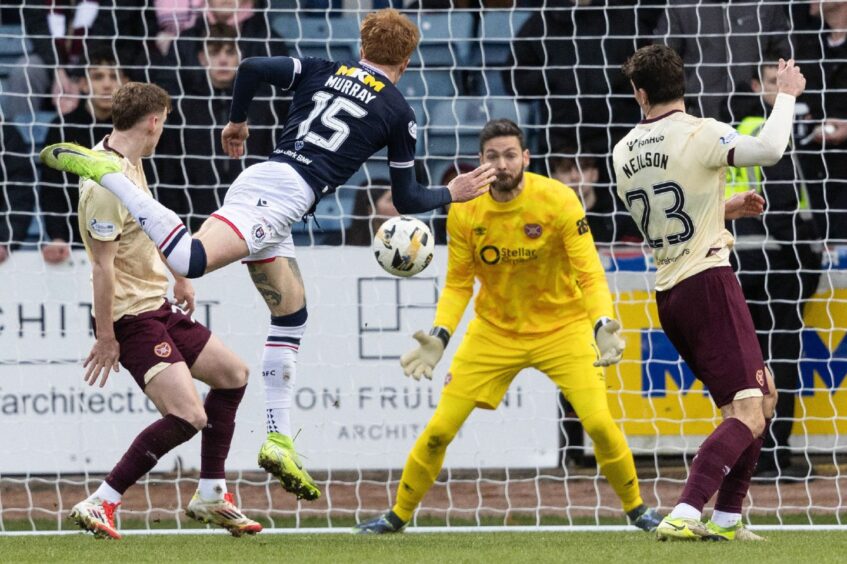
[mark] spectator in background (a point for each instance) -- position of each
(172, 17)
(582, 174)
(778, 260)
(569, 57)
(87, 124)
(371, 208)
(822, 57)
(61, 33)
(194, 170)
(721, 45)
(17, 189)
(255, 38)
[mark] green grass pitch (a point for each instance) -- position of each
(788, 546)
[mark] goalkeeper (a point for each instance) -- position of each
(543, 302)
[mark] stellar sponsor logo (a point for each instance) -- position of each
(491, 255)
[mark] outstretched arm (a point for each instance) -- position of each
(410, 196)
(768, 146)
(252, 73)
(255, 71)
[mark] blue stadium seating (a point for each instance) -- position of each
(36, 132)
(497, 30)
(440, 83)
(336, 38)
(12, 47)
(454, 125)
(446, 38)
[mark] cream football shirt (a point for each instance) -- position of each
(670, 174)
(141, 282)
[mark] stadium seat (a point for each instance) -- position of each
(497, 30)
(418, 83)
(337, 38)
(12, 47)
(36, 132)
(489, 82)
(439, 46)
(454, 126)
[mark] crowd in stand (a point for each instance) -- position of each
(564, 63)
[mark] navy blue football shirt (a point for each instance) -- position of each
(341, 114)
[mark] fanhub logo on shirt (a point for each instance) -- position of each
(645, 141)
(364, 77)
(495, 255)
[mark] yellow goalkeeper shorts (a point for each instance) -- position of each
(489, 359)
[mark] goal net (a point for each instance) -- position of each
(553, 68)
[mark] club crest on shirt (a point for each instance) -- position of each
(162, 350)
(760, 377)
(479, 230)
(258, 232)
(532, 230)
(582, 226)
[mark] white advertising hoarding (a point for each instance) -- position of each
(353, 406)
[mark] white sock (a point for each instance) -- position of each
(107, 493)
(685, 511)
(279, 369)
(162, 225)
(725, 520)
(211, 489)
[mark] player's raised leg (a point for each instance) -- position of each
(226, 374)
(423, 465)
(174, 394)
(279, 282)
(188, 256)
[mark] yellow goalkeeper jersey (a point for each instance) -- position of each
(534, 257)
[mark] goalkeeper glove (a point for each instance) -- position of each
(607, 333)
(420, 361)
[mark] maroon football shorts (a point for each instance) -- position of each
(707, 320)
(153, 340)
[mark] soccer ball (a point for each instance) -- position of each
(403, 246)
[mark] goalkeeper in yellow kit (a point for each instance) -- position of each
(543, 302)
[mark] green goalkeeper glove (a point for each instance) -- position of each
(420, 361)
(607, 333)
